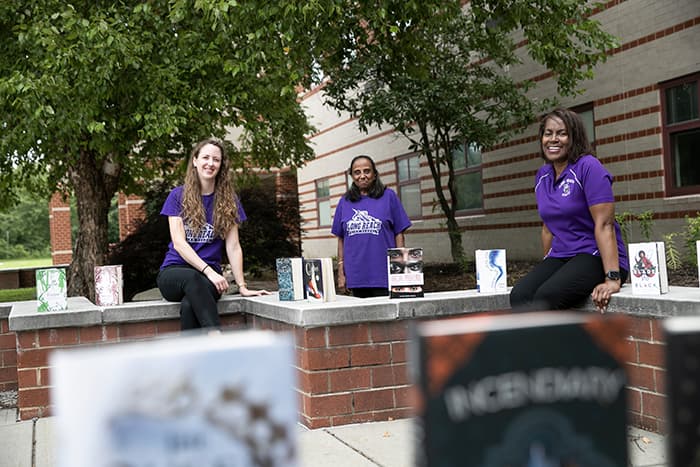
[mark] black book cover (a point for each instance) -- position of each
(683, 378)
(525, 390)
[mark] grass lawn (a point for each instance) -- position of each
(18, 295)
(24, 263)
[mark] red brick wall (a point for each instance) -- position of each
(35, 347)
(647, 375)
(8, 357)
(131, 212)
(354, 373)
(59, 228)
(346, 374)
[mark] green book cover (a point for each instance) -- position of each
(521, 390)
(51, 289)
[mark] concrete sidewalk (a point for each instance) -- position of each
(380, 444)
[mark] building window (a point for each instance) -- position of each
(466, 159)
(408, 170)
(586, 113)
(323, 202)
(681, 133)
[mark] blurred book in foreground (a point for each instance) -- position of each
(220, 400)
(544, 389)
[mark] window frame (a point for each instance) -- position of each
(320, 199)
(465, 171)
(410, 181)
(668, 130)
(588, 107)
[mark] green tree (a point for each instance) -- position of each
(96, 97)
(441, 76)
(24, 227)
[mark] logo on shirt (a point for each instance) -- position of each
(206, 235)
(363, 223)
(566, 187)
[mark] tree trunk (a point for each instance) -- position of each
(94, 188)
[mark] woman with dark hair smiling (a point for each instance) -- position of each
(584, 254)
(368, 220)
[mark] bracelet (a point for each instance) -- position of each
(242, 284)
(340, 261)
(204, 269)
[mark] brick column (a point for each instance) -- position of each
(59, 225)
(131, 212)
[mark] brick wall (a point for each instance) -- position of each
(35, 347)
(8, 357)
(59, 228)
(131, 212)
(345, 374)
(647, 375)
(350, 374)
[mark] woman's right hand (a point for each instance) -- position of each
(217, 279)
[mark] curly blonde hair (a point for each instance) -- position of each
(225, 205)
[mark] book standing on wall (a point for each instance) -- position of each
(51, 289)
(319, 280)
(405, 269)
(648, 268)
(109, 285)
(201, 400)
(290, 279)
(683, 398)
(524, 389)
(491, 272)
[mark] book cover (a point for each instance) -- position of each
(109, 285)
(290, 279)
(648, 263)
(51, 289)
(405, 269)
(545, 389)
(205, 400)
(313, 280)
(491, 271)
(319, 280)
(683, 399)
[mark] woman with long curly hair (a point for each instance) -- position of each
(203, 217)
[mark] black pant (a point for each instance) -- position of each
(368, 292)
(559, 283)
(196, 294)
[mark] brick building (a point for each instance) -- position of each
(642, 111)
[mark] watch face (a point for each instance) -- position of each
(613, 275)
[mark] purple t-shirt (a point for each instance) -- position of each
(564, 207)
(368, 227)
(208, 246)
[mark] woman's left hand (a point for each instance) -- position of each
(245, 292)
(602, 292)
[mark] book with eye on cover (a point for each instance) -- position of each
(540, 388)
(205, 400)
(405, 270)
(290, 279)
(683, 399)
(648, 272)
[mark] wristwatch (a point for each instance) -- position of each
(613, 275)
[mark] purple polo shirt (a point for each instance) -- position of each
(564, 205)
(208, 246)
(368, 227)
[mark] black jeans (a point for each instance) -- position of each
(559, 283)
(368, 292)
(196, 294)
